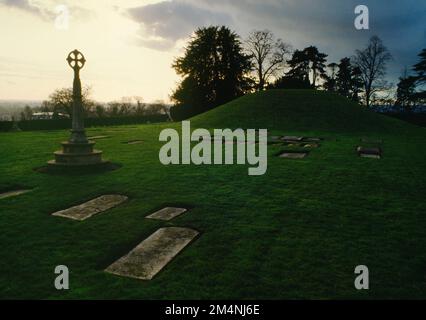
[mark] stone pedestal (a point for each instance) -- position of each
(77, 154)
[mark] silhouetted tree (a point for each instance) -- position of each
(372, 63)
(316, 61)
(406, 92)
(306, 62)
(330, 79)
(214, 68)
(60, 101)
(268, 55)
(348, 80)
(290, 82)
(299, 67)
(420, 67)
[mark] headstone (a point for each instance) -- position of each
(167, 213)
(293, 155)
(13, 193)
(92, 207)
(77, 151)
(153, 254)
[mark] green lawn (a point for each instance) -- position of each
(296, 232)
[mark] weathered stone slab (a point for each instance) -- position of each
(374, 153)
(153, 254)
(292, 138)
(92, 207)
(13, 193)
(371, 156)
(293, 155)
(311, 145)
(167, 213)
(312, 139)
(97, 137)
(134, 142)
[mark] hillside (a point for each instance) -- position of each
(296, 110)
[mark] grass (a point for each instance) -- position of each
(296, 232)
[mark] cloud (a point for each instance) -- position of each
(165, 23)
(30, 6)
(45, 9)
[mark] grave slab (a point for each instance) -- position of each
(292, 138)
(134, 142)
(153, 254)
(97, 137)
(167, 214)
(293, 155)
(374, 153)
(312, 139)
(13, 193)
(92, 207)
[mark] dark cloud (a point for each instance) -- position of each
(167, 22)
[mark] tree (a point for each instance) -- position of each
(330, 79)
(372, 61)
(306, 62)
(420, 68)
(348, 80)
(214, 68)
(268, 55)
(61, 101)
(27, 113)
(299, 67)
(316, 61)
(406, 92)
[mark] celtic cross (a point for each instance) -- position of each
(76, 61)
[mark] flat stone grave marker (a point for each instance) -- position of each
(97, 137)
(292, 138)
(153, 254)
(167, 213)
(86, 210)
(374, 153)
(134, 142)
(311, 139)
(13, 193)
(293, 155)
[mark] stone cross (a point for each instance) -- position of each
(76, 61)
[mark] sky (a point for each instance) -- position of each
(130, 45)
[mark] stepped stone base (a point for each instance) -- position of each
(77, 154)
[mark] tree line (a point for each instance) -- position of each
(60, 104)
(218, 66)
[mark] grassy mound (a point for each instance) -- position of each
(296, 110)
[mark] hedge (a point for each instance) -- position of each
(59, 124)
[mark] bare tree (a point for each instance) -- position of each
(268, 55)
(372, 63)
